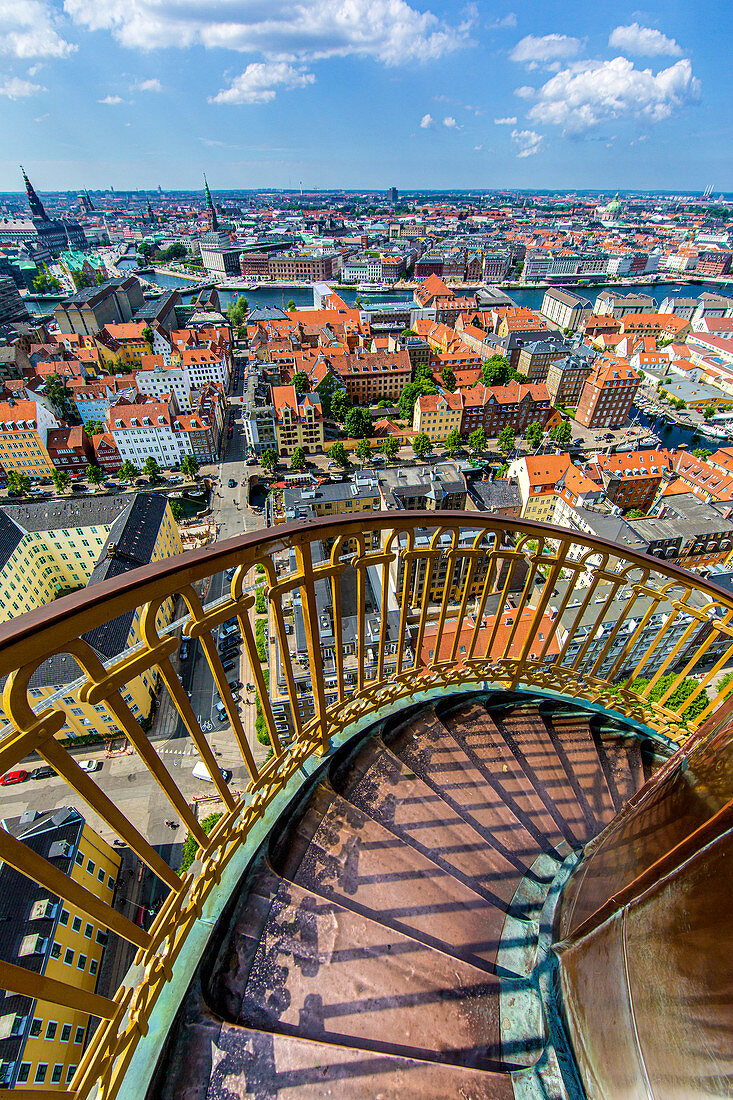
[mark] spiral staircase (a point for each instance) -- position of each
(486, 855)
(388, 939)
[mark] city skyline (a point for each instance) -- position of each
(422, 95)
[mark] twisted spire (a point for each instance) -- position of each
(33, 200)
(210, 208)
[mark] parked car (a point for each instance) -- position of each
(200, 771)
(89, 765)
(235, 685)
(46, 772)
(228, 665)
(183, 649)
(9, 778)
(232, 483)
(230, 572)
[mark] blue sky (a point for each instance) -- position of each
(365, 93)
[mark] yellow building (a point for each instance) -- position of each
(44, 559)
(298, 420)
(128, 342)
(24, 427)
(437, 415)
(41, 1043)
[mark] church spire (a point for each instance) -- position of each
(210, 208)
(33, 200)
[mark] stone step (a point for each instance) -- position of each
(318, 970)
(354, 860)
(548, 770)
(585, 757)
(472, 765)
(260, 1065)
(387, 790)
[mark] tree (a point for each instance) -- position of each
(358, 423)
(453, 442)
(189, 466)
(325, 390)
(363, 450)
(421, 445)
(701, 452)
(636, 513)
(60, 480)
(423, 373)
(448, 378)
(301, 382)
(410, 394)
(506, 440)
(340, 405)
(495, 371)
(236, 313)
(147, 335)
(297, 460)
(384, 404)
(128, 471)
(561, 433)
(61, 397)
(407, 332)
(151, 469)
(391, 446)
(268, 462)
(708, 413)
(477, 441)
(534, 434)
(291, 306)
(95, 475)
(337, 453)
(93, 427)
(18, 484)
(176, 509)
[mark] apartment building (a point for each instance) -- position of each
(306, 267)
(147, 429)
(536, 356)
(563, 309)
(93, 400)
(371, 376)
(41, 1043)
(70, 449)
(631, 479)
(52, 547)
(437, 415)
(298, 420)
(24, 428)
(513, 406)
(90, 309)
(608, 394)
(565, 379)
(189, 370)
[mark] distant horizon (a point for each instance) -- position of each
(408, 192)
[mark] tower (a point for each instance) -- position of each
(210, 209)
(33, 200)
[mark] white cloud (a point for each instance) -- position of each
(426, 122)
(111, 100)
(644, 41)
(509, 20)
(510, 120)
(525, 92)
(527, 142)
(260, 80)
(15, 88)
(152, 85)
(477, 148)
(287, 30)
(534, 51)
(28, 29)
(593, 92)
(450, 122)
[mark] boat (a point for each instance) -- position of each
(715, 432)
(373, 288)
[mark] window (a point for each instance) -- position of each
(93, 967)
(79, 1034)
(88, 929)
(100, 874)
(24, 1072)
(70, 1073)
(64, 918)
(65, 1033)
(36, 1026)
(79, 859)
(76, 924)
(56, 1072)
(40, 1076)
(51, 1028)
(69, 956)
(90, 867)
(102, 936)
(81, 962)
(110, 885)
(56, 951)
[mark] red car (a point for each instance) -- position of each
(9, 778)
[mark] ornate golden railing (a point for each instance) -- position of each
(363, 614)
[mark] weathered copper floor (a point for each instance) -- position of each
(363, 957)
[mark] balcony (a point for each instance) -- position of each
(490, 857)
